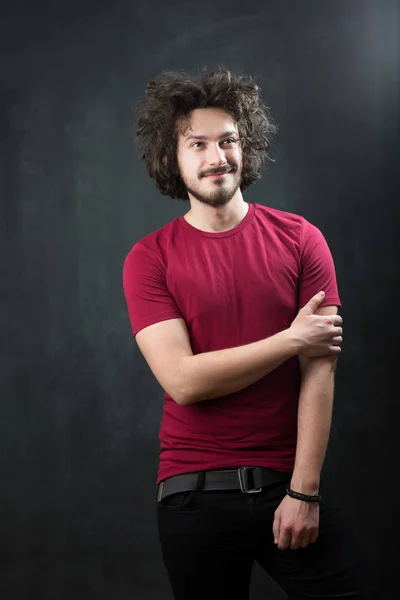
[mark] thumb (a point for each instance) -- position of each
(276, 525)
(313, 304)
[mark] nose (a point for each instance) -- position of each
(215, 155)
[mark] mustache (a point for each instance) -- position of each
(218, 171)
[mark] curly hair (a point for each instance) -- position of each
(169, 100)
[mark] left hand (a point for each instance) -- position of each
(295, 524)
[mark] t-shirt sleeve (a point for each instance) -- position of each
(317, 268)
(146, 293)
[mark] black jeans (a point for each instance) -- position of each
(210, 540)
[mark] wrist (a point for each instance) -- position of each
(304, 485)
(310, 498)
(293, 343)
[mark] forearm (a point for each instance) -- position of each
(214, 374)
(314, 422)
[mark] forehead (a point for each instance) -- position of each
(209, 122)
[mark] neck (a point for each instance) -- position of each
(214, 220)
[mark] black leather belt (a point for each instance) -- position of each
(249, 480)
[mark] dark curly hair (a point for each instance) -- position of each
(172, 96)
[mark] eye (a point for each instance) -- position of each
(230, 141)
(197, 144)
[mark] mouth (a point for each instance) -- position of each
(217, 175)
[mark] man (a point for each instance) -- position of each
(234, 307)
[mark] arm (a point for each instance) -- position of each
(314, 417)
(295, 522)
(189, 378)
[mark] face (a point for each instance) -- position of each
(210, 156)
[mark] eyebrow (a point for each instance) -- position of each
(204, 137)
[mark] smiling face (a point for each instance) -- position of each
(210, 156)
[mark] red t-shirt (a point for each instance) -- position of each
(231, 288)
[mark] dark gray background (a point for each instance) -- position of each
(80, 410)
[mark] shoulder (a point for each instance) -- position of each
(290, 222)
(155, 244)
(279, 218)
(285, 227)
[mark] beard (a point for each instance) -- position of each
(221, 191)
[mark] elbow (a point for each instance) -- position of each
(182, 395)
(180, 399)
(188, 390)
(185, 396)
(183, 399)
(182, 391)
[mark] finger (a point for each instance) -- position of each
(313, 304)
(335, 349)
(337, 320)
(313, 536)
(304, 541)
(338, 331)
(284, 538)
(295, 541)
(337, 340)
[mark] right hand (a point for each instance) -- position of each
(316, 335)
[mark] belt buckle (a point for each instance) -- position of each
(243, 481)
(160, 491)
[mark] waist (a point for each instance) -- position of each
(249, 480)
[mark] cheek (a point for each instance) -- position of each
(189, 169)
(236, 158)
